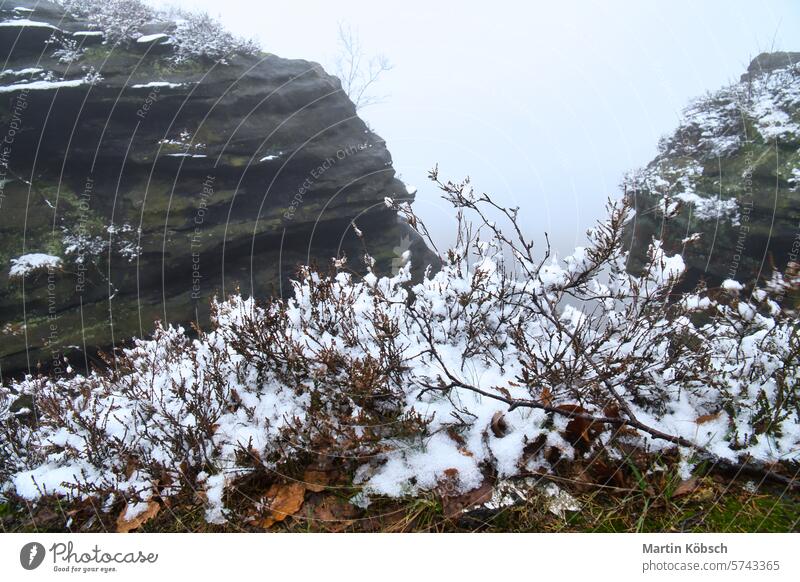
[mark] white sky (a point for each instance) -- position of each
(542, 104)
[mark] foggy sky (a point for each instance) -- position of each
(544, 105)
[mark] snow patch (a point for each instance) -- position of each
(152, 37)
(153, 84)
(28, 71)
(31, 262)
(731, 285)
(42, 85)
(23, 22)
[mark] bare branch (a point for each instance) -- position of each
(357, 72)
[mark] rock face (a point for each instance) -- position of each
(727, 180)
(135, 185)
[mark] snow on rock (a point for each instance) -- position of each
(775, 97)
(152, 37)
(768, 99)
(27, 71)
(23, 22)
(153, 84)
(715, 127)
(42, 85)
(194, 35)
(31, 262)
(706, 208)
(84, 33)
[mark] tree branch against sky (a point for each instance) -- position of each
(358, 72)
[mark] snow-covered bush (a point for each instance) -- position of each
(198, 34)
(504, 361)
(68, 50)
(118, 20)
(195, 34)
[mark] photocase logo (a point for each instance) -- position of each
(31, 555)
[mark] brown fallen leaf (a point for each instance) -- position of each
(546, 397)
(499, 425)
(579, 430)
(453, 434)
(454, 505)
(127, 525)
(503, 391)
(707, 418)
(283, 500)
(609, 473)
(451, 473)
(533, 448)
(130, 466)
(685, 487)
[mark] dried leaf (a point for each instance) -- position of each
(533, 448)
(609, 473)
(126, 525)
(455, 505)
(503, 391)
(707, 418)
(546, 396)
(578, 429)
(686, 487)
(283, 500)
(131, 466)
(453, 434)
(499, 425)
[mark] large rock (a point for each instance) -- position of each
(152, 185)
(729, 175)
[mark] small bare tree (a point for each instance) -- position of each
(357, 72)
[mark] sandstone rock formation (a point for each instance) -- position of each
(728, 179)
(138, 182)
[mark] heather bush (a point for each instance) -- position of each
(501, 362)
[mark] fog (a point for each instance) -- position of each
(543, 105)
